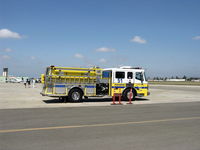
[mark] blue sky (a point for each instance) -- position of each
(162, 36)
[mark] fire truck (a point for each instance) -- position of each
(73, 84)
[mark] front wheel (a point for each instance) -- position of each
(127, 94)
(75, 95)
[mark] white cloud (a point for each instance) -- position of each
(105, 49)
(138, 39)
(7, 50)
(102, 60)
(78, 55)
(196, 37)
(5, 33)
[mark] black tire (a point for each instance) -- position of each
(126, 94)
(75, 95)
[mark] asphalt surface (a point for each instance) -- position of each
(153, 127)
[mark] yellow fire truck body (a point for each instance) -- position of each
(74, 83)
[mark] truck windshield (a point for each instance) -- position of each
(139, 76)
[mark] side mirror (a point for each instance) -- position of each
(142, 78)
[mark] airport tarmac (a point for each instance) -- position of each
(15, 95)
(172, 126)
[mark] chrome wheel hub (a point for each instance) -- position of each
(76, 96)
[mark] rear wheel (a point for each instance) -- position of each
(127, 93)
(75, 95)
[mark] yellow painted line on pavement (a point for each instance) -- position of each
(99, 125)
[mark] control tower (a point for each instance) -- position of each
(5, 72)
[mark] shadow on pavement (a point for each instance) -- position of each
(98, 100)
(49, 101)
(90, 100)
(141, 99)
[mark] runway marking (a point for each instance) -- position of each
(98, 125)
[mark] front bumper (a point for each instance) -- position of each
(142, 94)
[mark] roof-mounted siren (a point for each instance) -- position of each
(129, 67)
(137, 68)
(126, 67)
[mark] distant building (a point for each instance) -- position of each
(5, 72)
(4, 76)
(196, 80)
(176, 80)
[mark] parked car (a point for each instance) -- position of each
(14, 80)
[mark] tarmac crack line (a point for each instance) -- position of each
(99, 125)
